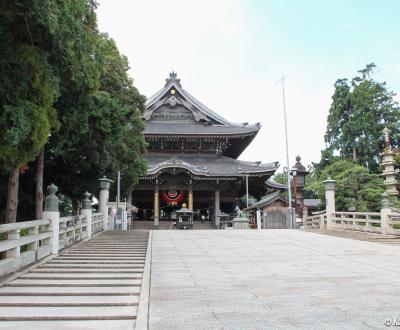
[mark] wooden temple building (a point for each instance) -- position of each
(192, 159)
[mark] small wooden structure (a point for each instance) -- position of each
(273, 210)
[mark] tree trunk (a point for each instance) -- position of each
(12, 196)
(39, 185)
(354, 154)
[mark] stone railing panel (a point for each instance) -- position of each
(97, 223)
(314, 221)
(359, 221)
(19, 251)
(393, 223)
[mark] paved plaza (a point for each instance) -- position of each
(271, 279)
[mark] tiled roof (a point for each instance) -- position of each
(160, 128)
(266, 200)
(273, 184)
(207, 164)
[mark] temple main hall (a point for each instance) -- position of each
(193, 159)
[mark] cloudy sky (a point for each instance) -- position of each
(230, 53)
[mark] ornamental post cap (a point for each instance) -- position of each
(104, 183)
(329, 184)
(86, 203)
(51, 201)
(52, 189)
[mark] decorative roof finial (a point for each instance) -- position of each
(173, 78)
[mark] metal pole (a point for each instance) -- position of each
(118, 188)
(247, 190)
(287, 153)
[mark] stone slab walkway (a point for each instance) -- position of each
(271, 279)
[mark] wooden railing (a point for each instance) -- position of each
(24, 243)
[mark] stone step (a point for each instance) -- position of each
(54, 300)
(21, 282)
(71, 313)
(95, 263)
(66, 258)
(95, 271)
(109, 250)
(88, 276)
(71, 325)
(107, 255)
(79, 291)
(89, 266)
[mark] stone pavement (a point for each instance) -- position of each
(360, 235)
(271, 279)
(94, 285)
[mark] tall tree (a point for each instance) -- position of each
(359, 112)
(100, 133)
(43, 51)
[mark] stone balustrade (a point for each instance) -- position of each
(24, 243)
(361, 221)
(393, 224)
(315, 221)
(370, 222)
(21, 249)
(97, 223)
(73, 229)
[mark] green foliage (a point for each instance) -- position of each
(64, 83)
(26, 105)
(359, 112)
(101, 132)
(356, 188)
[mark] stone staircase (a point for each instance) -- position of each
(94, 285)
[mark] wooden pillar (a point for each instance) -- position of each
(216, 208)
(190, 196)
(156, 206)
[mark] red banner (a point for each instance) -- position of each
(172, 197)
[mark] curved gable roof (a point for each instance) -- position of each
(192, 104)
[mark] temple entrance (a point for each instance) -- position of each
(203, 204)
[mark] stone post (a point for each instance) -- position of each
(385, 210)
(321, 221)
(87, 212)
(216, 208)
(156, 206)
(330, 201)
(258, 219)
(305, 215)
(52, 213)
(104, 185)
